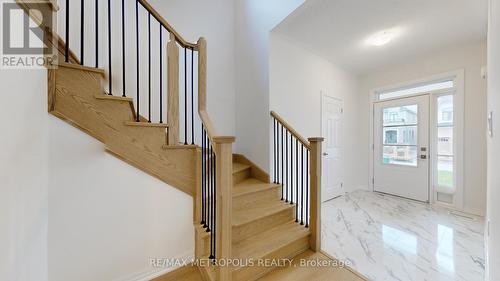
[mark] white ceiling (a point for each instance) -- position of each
(337, 29)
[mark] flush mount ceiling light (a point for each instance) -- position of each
(383, 37)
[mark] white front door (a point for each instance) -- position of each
(401, 147)
(331, 126)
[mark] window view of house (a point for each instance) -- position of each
(400, 135)
(445, 142)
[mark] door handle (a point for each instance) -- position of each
(423, 156)
(325, 154)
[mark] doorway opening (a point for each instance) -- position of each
(332, 123)
(417, 132)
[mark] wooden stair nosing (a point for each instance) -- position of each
(277, 207)
(250, 186)
(106, 96)
(145, 124)
(180, 146)
(255, 170)
(267, 242)
(239, 167)
(80, 67)
(116, 98)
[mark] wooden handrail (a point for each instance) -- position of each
(184, 43)
(291, 130)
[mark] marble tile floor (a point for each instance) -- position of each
(390, 238)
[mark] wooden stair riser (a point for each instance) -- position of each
(241, 175)
(75, 101)
(247, 200)
(256, 171)
(286, 252)
(262, 224)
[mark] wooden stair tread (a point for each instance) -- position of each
(146, 124)
(116, 98)
(238, 167)
(260, 245)
(180, 146)
(251, 185)
(258, 210)
(80, 67)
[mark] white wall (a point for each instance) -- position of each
(254, 19)
(106, 218)
(298, 78)
(23, 176)
(471, 58)
(493, 213)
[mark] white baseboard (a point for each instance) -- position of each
(150, 272)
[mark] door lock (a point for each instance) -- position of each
(423, 156)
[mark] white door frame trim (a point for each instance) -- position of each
(458, 77)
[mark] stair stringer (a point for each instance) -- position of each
(76, 95)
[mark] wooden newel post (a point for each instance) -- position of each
(315, 185)
(173, 91)
(202, 74)
(224, 186)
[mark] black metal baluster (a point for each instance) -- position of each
(307, 188)
(149, 68)
(291, 168)
(66, 47)
(109, 50)
(211, 203)
(297, 180)
(209, 185)
(123, 47)
(278, 179)
(137, 117)
(302, 184)
(286, 163)
(214, 226)
(96, 33)
(82, 31)
(161, 75)
(185, 96)
(274, 150)
(192, 96)
(282, 162)
(202, 175)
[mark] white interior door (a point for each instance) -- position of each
(332, 127)
(401, 147)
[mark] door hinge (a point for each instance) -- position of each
(341, 110)
(373, 180)
(341, 184)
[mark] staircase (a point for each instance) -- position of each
(263, 225)
(240, 214)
